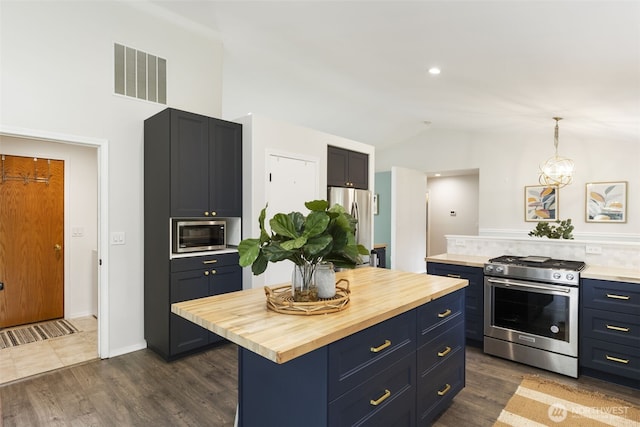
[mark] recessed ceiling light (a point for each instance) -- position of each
(434, 71)
(438, 174)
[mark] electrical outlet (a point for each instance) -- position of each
(460, 242)
(594, 250)
(117, 238)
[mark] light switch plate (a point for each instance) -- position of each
(117, 238)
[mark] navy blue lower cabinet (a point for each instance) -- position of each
(401, 372)
(474, 301)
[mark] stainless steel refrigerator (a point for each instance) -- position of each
(359, 203)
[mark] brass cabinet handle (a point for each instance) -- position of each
(445, 390)
(614, 296)
(381, 399)
(206, 214)
(445, 314)
(615, 359)
(445, 352)
(206, 273)
(455, 276)
(618, 328)
(211, 261)
(213, 213)
(213, 272)
(386, 344)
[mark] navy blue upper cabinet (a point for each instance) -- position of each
(346, 168)
(206, 166)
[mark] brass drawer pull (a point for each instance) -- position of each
(206, 273)
(386, 344)
(615, 359)
(614, 296)
(455, 276)
(445, 352)
(445, 314)
(211, 261)
(618, 328)
(445, 390)
(381, 399)
(213, 272)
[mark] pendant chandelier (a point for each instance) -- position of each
(556, 170)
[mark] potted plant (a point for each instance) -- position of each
(326, 234)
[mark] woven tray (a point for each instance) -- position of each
(280, 299)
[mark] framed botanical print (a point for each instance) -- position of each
(606, 202)
(541, 203)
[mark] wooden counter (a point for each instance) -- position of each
(376, 295)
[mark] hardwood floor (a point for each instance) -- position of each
(141, 389)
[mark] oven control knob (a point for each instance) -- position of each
(489, 268)
(557, 276)
(499, 269)
(570, 276)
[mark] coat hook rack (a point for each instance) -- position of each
(25, 177)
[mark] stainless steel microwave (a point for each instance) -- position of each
(198, 235)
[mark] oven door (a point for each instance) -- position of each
(532, 314)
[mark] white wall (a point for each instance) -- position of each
(446, 194)
(263, 136)
(508, 162)
(408, 219)
(81, 204)
(57, 76)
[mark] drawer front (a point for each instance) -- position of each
(612, 327)
(442, 347)
(609, 357)
(386, 399)
(204, 262)
(436, 388)
(614, 296)
(360, 356)
(435, 314)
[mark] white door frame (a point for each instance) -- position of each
(102, 148)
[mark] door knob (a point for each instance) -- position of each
(57, 247)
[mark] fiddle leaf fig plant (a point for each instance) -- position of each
(326, 234)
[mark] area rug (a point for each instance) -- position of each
(12, 337)
(541, 402)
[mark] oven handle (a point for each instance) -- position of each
(509, 284)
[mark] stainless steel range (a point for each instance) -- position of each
(531, 311)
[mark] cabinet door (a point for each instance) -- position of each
(225, 174)
(189, 164)
(359, 170)
(185, 335)
(221, 281)
(337, 167)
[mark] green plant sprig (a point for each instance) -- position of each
(561, 231)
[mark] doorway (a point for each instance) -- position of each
(31, 141)
(31, 240)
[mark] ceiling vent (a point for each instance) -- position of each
(139, 75)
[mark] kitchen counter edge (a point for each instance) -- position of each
(376, 295)
(615, 274)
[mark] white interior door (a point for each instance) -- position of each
(291, 183)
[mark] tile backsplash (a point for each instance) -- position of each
(607, 254)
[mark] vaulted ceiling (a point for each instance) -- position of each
(359, 69)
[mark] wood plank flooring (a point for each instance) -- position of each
(141, 389)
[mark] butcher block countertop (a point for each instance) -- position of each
(377, 294)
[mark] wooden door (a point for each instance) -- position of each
(31, 240)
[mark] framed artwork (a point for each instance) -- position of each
(541, 203)
(375, 204)
(606, 202)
